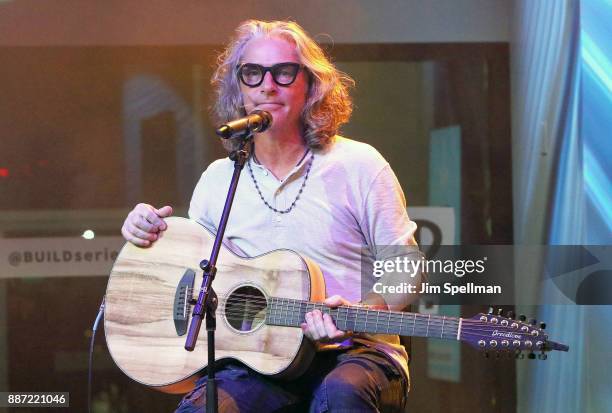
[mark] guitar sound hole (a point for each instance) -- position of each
(245, 308)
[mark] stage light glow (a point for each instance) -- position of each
(596, 60)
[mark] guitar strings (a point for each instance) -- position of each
(396, 326)
(239, 307)
(297, 304)
(393, 323)
(402, 328)
(294, 304)
(393, 320)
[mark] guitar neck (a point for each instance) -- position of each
(291, 313)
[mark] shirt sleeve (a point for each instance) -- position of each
(389, 233)
(384, 218)
(199, 209)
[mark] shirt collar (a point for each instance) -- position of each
(296, 169)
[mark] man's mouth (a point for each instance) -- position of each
(268, 104)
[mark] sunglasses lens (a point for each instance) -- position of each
(285, 74)
(250, 74)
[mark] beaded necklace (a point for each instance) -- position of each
(284, 211)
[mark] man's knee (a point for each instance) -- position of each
(238, 390)
(346, 390)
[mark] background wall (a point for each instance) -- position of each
(166, 22)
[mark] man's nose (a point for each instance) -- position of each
(268, 82)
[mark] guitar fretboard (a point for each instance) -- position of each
(291, 313)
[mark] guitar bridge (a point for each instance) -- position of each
(182, 301)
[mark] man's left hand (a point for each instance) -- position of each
(321, 327)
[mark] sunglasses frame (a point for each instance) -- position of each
(271, 69)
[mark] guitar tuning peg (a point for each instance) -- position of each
(533, 321)
(511, 314)
(518, 354)
(500, 311)
(542, 356)
(485, 354)
(542, 326)
(522, 317)
(490, 311)
(531, 356)
(498, 355)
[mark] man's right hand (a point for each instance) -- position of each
(144, 223)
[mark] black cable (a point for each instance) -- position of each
(91, 348)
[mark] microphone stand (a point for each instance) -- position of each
(207, 299)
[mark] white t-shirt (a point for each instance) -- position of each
(351, 206)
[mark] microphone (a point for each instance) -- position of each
(257, 121)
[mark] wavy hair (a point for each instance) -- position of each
(328, 104)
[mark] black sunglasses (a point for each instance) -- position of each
(284, 74)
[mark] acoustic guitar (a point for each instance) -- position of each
(151, 292)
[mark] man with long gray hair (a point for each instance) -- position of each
(306, 189)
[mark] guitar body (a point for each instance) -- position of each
(262, 302)
(148, 310)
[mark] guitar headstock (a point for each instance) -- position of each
(507, 335)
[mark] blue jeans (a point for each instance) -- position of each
(357, 380)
